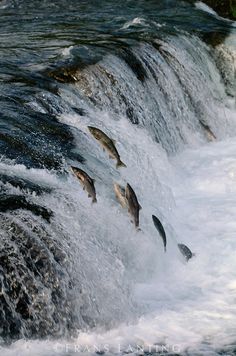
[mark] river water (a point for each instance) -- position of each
(76, 277)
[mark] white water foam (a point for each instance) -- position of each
(183, 306)
(187, 306)
(134, 22)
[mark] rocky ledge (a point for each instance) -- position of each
(225, 8)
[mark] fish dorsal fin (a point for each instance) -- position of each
(139, 207)
(114, 141)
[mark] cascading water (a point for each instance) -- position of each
(81, 273)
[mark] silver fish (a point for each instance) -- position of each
(107, 144)
(86, 181)
(160, 229)
(120, 195)
(133, 204)
(186, 252)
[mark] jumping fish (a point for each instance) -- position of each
(160, 229)
(210, 135)
(120, 195)
(86, 181)
(133, 204)
(186, 252)
(107, 144)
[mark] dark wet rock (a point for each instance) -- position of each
(14, 202)
(36, 298)
(225, 8)
(24, 184)
(110, 76)
(132, 116)
(65, 74)
(79, 111)
(129, 110)
(12, 146)
(214, 38)
(69, 70)
(33, 80)
(110, 84)
(134, 63)
(37, 140)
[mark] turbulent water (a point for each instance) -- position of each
(78, 278)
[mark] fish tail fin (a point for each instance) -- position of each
(120, 164)
(165, 248)
(94, 200)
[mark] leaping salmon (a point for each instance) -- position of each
(133, 204)
(108, 144)
(86, 181)
(186, 252)
(120, 195)
(160, 229)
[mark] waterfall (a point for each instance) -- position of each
(68, 266)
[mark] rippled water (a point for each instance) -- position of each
(78, 278)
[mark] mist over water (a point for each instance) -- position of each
(76, 277)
